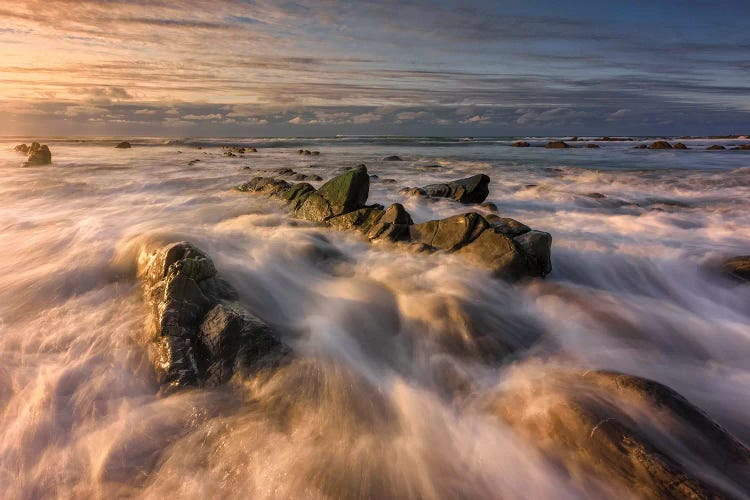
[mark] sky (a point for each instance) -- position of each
(411, 67)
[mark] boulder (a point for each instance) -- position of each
(347, 192)
(592, 146)
(679, 145)
(520, 144)
(557, 145)
(507, 226)
(38, 155)
(738, 267)
(537, 246)
(266, 185)
(198, 335)
(392, 158)
(669, 448)
(449, 234)
(21, 148)
(660, 145)
(716, 147)
(488, 205)
(473, 189)
(123, 145)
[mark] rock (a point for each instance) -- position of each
(347, 192)
(38, 155)
(640, 146)
(507, 226)
(592, 146)
(267, 185)
(21, 148)
(397, 214)
(679, 145)
(537, 245)
(473, 189)
(557, 145)
(716, 147)
(614, 139)
(498, 253)
(488, 205)
(392, 158)
(520, 144)
(660, 145)
(252, 150)
(123, 145)
(389, 181)
(198, 336)
(304, 177)
(743, 147)
(314, 207)
(412, 192)
(363, 219)
(449, 234)
(315, 153)
(578, 419)
(738, 267)
(597, 196)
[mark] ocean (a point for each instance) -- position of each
(396, 387)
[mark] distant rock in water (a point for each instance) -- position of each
(21, 148)
(123, 145)
(520, 144)
(738, 267)
(669, 449)
(716, 147)
(660, 145)
(198, 334)
(557, 145)
(679, 145)
(472, 189)
(592, 146)
(392, 158)
(341, 203)
(743, 147)
(38, 155)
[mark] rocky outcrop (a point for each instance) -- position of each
(669, 449)
(123, 145)
(679, 145)
(520, 144)
(660, 145)
(557, 145)
(198, 334)
(473, 189)
(21, 148)
(738, 267)
(38, 155)
(340, 203)
(716, 147)
(392, 158)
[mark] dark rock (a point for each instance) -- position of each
(488, 205)
(363, 219)
(305, 177)
(389, 181)
(507, 226)
(660, 145)
(596, 195)
(449, 234)
(716, 147)
(521, 144)
(738, 267)
(267, 185)
(347, 192)
(742, 147)
(580, 420)
(315, 153)
(592, 146)
(197, 336)
(470, 190)
(557, 145)
(397, 214)
(123, 145)
(537, 246)
(21, 148)
(640, 146)
(614, 139)
(38, 155)
(392, 158)
(679, 145)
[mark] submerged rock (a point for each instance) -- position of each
(716, 147)
(660, 145)
(508, 226)
(198, 334)
(21, 148)
(671, 449)
(592, 146)
(743, 147)
(123, 145)
(738, 267)
(557, 145)
(38, 155)
(520, 144)
(392, 158)
(473, 189)
(679, 145)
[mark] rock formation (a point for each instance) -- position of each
(21, 148)
(472, 189)
(521, 144)
(557, 145)
(198, 334)
(716, 147)
(738, 267)
(660, 145)
(38, 155)
(341, 203)
(123, 145)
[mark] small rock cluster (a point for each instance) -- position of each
(37, 154)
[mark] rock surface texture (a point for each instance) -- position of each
(509, 250)
(198, 334)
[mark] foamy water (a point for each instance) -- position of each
(397, 351)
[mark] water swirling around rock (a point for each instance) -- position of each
(414, 375)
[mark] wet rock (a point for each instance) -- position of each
(498, 253)
(397, 214)
(738, 267)
(362, 220)
(557, 145)
(520, 144)
(123, 145)
(592, 146)
(266, 185)
(197, 334)
(597, 196)
(507, 226)
(716, 147)
(743, 147)
(537, 246)
(488, 205)
(473, 189)
(679, 145)
(389, 181)
(641, 146)
(38, 155)
(347, 192)
(660, 145)
(392, 158)
(671, 450)
(305, 177)
(21, 148)
(449, 234)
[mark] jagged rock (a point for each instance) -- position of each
(537, 246)
(660, 145)
(197, 335)
(392, 158)
(738, 267)
(679, 145)
(473, 189)
(507, 226)
(557, 145)
(716, 147)
(521, 144)
(671, 449)
(38, 155)
(347, 192)
(21, 148)
(397, 214)
(123, 145)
